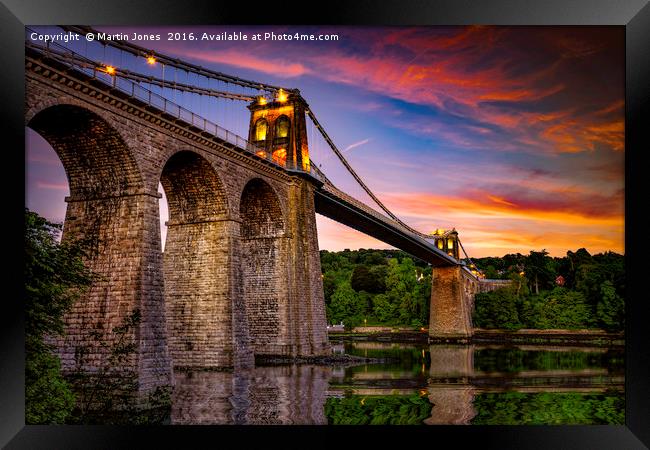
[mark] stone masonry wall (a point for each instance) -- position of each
(263, 244)
(307, 284)
(115, 153)
(449, 312)
(452, 301)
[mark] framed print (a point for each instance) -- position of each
(250, 221)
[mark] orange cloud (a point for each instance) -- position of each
(491, 225)
(278, 67)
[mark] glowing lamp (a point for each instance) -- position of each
(151, 60)
(110, 70)
(282, 96)
(261, 100)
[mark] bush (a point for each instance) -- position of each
(55, 276)
(610, 309)
(559, 308)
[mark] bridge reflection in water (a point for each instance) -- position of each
(282, 395)
(421, 384)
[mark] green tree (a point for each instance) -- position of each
(333, 261)
(379, 274)
(590, 275)
(610, 309)
(384, 309)
(374, 259)
(572, 262)
(423, 294)
(345, 306)
(559, 308)
(109, 396)
(55, 276)
(491, 272)
(519, 285)
(539, 270)
(514, 262)
(401, 289)
(362, 279)
(497, 309)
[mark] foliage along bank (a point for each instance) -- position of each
(388, 287)
(369, 287)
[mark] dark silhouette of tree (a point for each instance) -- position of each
(538, 270)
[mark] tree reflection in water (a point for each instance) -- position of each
(437, 384)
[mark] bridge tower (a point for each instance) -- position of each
(283, 288)
(278, 127)
(447, 241)
(450, 313)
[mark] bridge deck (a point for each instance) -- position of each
(339, 206)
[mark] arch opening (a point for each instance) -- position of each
(281, 140)
(97, 161)
(109, 209)
(46, 181)
(282, 125)
(193, 189)
(196, 263)
(261, 130)
(260, 211)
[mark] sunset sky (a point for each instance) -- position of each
(512, 135)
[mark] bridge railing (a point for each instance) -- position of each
(333, 191)
(89, 67)
(329, 187)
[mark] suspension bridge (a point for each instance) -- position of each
(240, 274)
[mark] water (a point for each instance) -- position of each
(421, 384)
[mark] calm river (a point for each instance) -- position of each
(422, 385)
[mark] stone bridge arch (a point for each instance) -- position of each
(96, 159)
(194, 294)
(207, 324)
(110, 208)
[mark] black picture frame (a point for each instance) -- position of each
(634, 15)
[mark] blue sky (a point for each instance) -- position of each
(513, 135)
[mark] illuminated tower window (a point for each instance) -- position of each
(261, 128)
(440, 244)
(282, 127)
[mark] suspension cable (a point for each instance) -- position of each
(175, 62)
(467, 256)
(181, 86)
(347, 165)
(138, 77)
